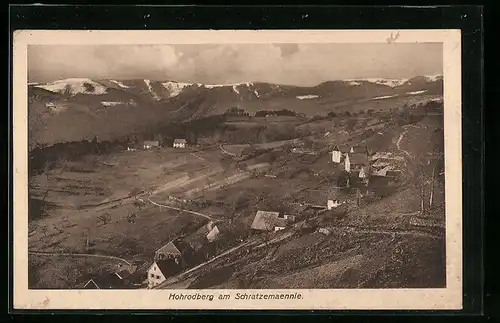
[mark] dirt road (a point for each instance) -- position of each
(175, 208)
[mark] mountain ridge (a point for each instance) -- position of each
(110, 108)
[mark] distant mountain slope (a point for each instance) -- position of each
(78, 108)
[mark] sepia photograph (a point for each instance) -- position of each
(265, 167)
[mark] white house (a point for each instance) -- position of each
(336, 154)
(268, 221)
(213, 234)
(357, 163)
(150, 144)
(160, 270)
(331, 204)
(180, 143)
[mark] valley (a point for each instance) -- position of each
(127, 201)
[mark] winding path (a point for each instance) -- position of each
(66, 254)
(176, 208)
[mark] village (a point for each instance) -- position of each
(361, 171)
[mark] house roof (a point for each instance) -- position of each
(264, 220)
(171, 248)
(107, 281)
(197, 240)
(358, 159)
(360, 149)
(168, 267)
(151, 142)
(378, 181)
(393, 173)
(280, 222)
(342, 148)
(179, 141)
(123, 273)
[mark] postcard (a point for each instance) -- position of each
(237, 169)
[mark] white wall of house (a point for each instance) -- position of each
(276, 228)
(155, 276)
(362, 172)
(331, 204)
(347, 163)
(336, 155)
(213, 234)
(179, 145)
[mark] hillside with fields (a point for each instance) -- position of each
(96, 205)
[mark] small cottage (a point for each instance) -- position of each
(338, 152)
(358, 163)
(180, 143)
(170, 250)
(332, 204)
(268, 221)
(160, 270)
(359, 150)
(280, 224)
(151, 144)
(107, 281)
(213, 234)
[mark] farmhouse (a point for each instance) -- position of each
(357, 163)
(359, 150)
(160, 270)
(269, 221)
(107, 281)
(338, 151)
(170, 250)
(180, 143)
(149, 144)
(214, 233)
(393, 173)
(331, 204)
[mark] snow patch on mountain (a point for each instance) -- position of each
(384, 97)
(150, 89)
(353, 83)
(120, 84)
(75, 86)
(235, 89)
(256, 93)
(433, 78)
(175, 88)
(306, 97)
(112, 103)
(416, 92)
(210, 86)
(388, 82)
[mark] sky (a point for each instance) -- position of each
(295, 64)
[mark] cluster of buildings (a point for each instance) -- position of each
(360, 162)
(152, 144)
(184, 252)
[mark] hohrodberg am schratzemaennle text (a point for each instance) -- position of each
(236, 296)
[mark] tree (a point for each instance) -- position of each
(370, 112)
